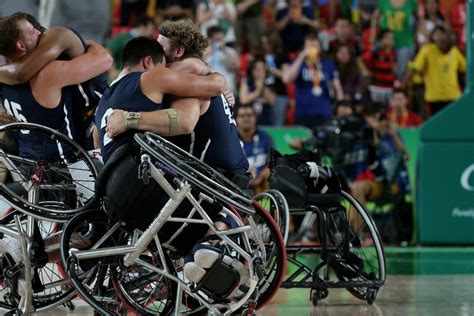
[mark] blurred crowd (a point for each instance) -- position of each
(351, 71)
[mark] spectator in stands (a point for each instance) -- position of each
(173, 10)
(427, 20)
(131, 9)
(352, 78)
(399, 112)
(143, 26)
(369, 185)
(313, 76)
(439, 63)
(398, 16)
(275, 60)
(220, 13)
(257, 91)
(249, 24)
(294, 23)
(382, 64)
(222, 58)
(256, 144)
(344, 36)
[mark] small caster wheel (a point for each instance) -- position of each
(323, 294)
(371, 296)
(317, 295)
(70, 305)
(315, 298)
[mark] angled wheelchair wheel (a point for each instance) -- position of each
(275, 203)
(51, 176)
(364, 242)
(49, 286)
(93, 279)
(182, 164)
(275, 253)
(144, 290)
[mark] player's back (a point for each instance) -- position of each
(215, 139)
(125, 94)
(19, 102)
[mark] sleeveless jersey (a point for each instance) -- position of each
(124, 94)
(19, 102)
(215, 139)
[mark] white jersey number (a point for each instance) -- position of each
(14, 109)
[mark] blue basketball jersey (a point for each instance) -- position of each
(215, 139)
(19, 102)
(124, 94)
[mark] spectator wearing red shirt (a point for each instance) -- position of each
(344, 36)
(399, 112)
(382, 64)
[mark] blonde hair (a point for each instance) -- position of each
(184, 33)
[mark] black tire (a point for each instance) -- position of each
(146, 291)
(93, 279)
(64, 183)
(275, 267)
(275, 203)
(48, 288)
(364, 242)
(186, 166)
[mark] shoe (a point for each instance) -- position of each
(193, 272)
(11, 246)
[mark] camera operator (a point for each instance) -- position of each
(387, 144)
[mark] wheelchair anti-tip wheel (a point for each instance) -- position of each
(50, 176)
(364, 242)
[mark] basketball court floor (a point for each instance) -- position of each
(420, 281)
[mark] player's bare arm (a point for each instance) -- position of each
(52, 44)
(47, 84)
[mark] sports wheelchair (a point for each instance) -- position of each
(112, 264)
(346, 239)
(43, 190)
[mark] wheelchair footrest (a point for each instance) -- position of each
(219, 281)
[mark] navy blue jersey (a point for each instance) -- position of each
(19, 102)
(215, 139)
(124, 94)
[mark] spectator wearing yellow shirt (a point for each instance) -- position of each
(439, 63)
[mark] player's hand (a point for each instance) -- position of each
(6, 118)
(116, 124)
(229, 96)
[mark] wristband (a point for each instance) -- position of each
(132, 119)
(173, 121)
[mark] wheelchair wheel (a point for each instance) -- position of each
(52, 177)
(49, 286)
(275, 266)
(275, 203)
(146, 291)
(93, 278)
(364, 242)
(195, 171)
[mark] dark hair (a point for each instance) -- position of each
(439, 28)
(384, 32)
(399, 91)
(10, 33)
(255, 60)
(347, 72)
(35, 23)
(311, 35)
(139, 48)
(184, 33)
(214, 30)
(244, 106)
(143, 20)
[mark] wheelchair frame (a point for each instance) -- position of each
(132, 252)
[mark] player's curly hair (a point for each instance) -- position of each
(184, 33)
